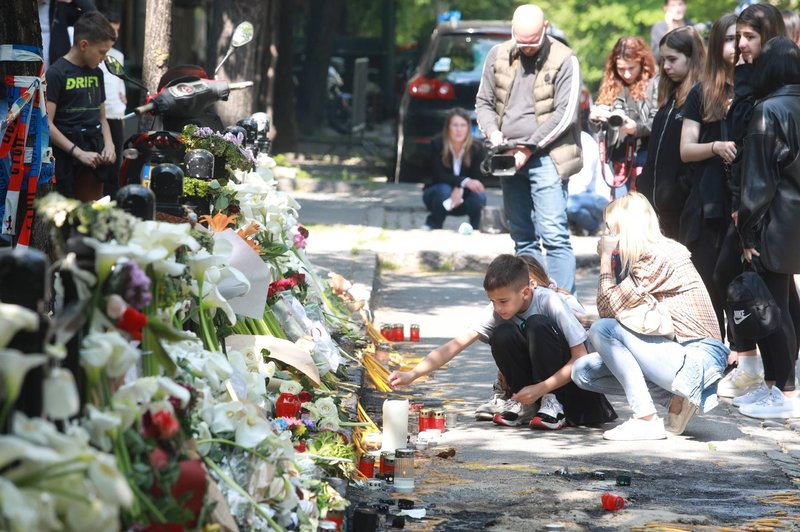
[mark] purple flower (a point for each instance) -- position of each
(137, 288)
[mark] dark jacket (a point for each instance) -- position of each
(442, 174)
(663, 180)
(738, 118)
(769, 218)
(63, 15)
(640, 111)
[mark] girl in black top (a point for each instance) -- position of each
(456, 189)
(705, 144)
(663, 179)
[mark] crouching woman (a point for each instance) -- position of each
(678, 372)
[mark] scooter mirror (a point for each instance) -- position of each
(114, 66)
(242, 35)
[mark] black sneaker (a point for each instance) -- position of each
(550, 415)
(515, 414)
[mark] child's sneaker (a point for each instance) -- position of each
(515, 414)
(637, 429)
(753, 396)
(550, 415)
(493, 406)
(773, 406)
(738, 382)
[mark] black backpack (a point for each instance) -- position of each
(751, 309)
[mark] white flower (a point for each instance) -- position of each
(138, 392)
(96, 516)
(18, 512)
(253, 428)
(203, 432)
(14, 365)
(108, 351)
(15, 318)
(225, 416)
(217, 369)
(202, 260)
(152, 235)
(61, 400)
(110, 485)
(328, 423)
(101, 426)
(173, 389)
(293, 387)
(107, 254)
(72, 442)
(14, 448)
(326, 408)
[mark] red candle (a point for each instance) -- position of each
(287, 405)
(413, 333)
(399, 333)
(437, 422)
(367, 465)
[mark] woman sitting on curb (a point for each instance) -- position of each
(681, 372)
(455, 166)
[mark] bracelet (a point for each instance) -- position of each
(712, 148)
(72, 149)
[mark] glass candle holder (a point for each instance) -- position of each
(437, 421)
(413, 333)
(287, 405)
(425, 419)
(366, 465)
(399, 333)
(404, 473)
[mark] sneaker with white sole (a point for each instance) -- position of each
(515, 414)
(738, 382)
(753, 396)
(493, 406)
(637, 429)
(775, 405)
(550, 415)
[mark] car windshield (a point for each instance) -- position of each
(459, 58)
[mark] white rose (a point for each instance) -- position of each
(328, 423)
(292, 387)
(327, 408)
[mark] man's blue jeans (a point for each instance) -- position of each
(535, 203)
(434, 195)
(585, 210)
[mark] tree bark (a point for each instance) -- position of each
(285, 123)
(243, 64)
(157, 35)
(323, 22)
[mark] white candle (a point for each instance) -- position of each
(395, 425)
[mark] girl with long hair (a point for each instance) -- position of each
(706, 146)
(456, 188)
(768, 219)
(628, 98)
(756, 25)
(677, 372)
(663, 180)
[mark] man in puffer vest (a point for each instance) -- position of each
(529, 98)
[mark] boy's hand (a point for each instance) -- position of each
(528, 395)
(88, 158)
(401, 378)
(109, 154)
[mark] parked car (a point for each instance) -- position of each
(447, 76)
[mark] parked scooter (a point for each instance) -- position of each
(186, 95)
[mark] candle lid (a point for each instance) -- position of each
(404, 453)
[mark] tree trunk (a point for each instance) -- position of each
(284, 103)
(323, 22)
(243, 64)
(157, 34)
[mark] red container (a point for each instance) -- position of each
(287, 405)
(387, 463)
(612, 502)
(437, 421)
(399, 333)
(386, 332)
(413, 333)
(367, 465)
(425, 419)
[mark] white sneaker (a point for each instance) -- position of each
(550, 415)
(637, 429)
(493, 406)
(515, 414)
(738, 382)
(753, 396)
(676, 423)
(773, 406)
(426, 227)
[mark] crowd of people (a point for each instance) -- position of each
(698, 143)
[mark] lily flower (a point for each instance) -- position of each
(14, 365)
(61, 399)
(109, 483)
(14, 318)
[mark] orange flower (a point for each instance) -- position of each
(251, 229)
(219, 222)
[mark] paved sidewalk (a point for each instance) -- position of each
(727, 470)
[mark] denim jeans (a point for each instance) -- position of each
(644, 368)
(535, 203)
(433, 197)
(585, 210)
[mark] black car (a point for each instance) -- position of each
(447, 76)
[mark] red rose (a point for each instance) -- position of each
(166, 424)
(305, 396)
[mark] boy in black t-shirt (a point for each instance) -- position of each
(79, 132)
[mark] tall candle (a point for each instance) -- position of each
(395, 425)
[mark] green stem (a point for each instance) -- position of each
(327, 458)
(148, 504)
(238, 489)
(37, 475)
(7, 405)
(149, 363)
(67, 494)
(234, 444)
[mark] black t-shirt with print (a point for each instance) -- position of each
(77, 93)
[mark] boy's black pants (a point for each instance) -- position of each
(531, 353)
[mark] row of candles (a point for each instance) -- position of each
(395, 332)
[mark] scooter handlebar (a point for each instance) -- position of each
(146, 108)
(240, 85)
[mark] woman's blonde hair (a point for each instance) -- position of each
(638, 227)
(447, 145)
